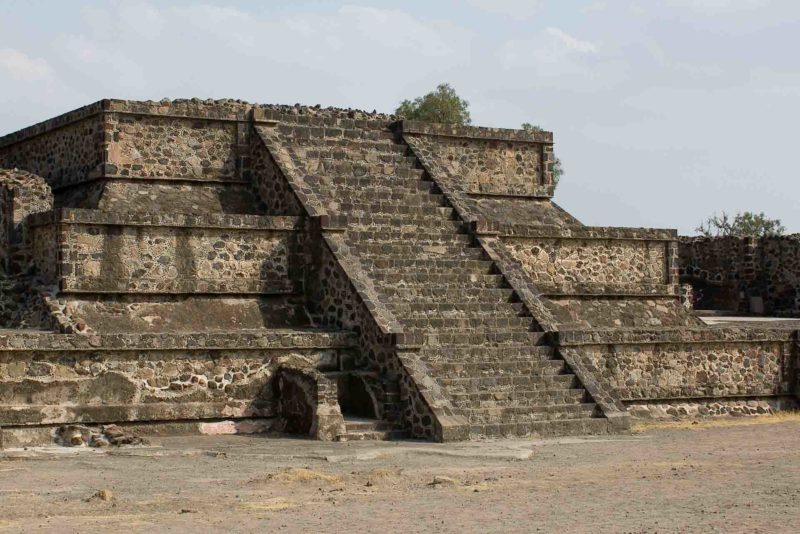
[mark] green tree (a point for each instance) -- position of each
(742, 224)
(558, 170)
(442, 105)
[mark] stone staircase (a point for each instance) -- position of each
(483, 347)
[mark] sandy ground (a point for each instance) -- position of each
(718, 478)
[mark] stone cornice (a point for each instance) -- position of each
(474, 132)
(208, 220)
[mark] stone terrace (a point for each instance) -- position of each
(338, 274)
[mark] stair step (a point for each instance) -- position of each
(379, 198)
(564, 427)
(380, 183)
(441, 294)
(518, 398)
(360, 429)
(356, 154)
(466, 354)
(521, 414)
(354, 165)
(374, 435)
(458, 369)
(479, 336)
(430, 265)
(419, 220)
(405, 236)
(311, 134)
(392, 208)
(459, 309)
(509, 382)
(470, 324)
(465, 280)
(364, 424)
(377, 202)
(381, 146)
(424, 249)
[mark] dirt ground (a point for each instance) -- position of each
(735, 477)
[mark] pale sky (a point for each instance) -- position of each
(663, 111)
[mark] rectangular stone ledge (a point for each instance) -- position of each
(45, 414)
(637, 336)
(607, 290)
(340, 119)
(261, 340)
(185, 109)
(209, 220)
(474, 132)
(55, 123)
(107, 172)
(538, 192)
(522, 231)
(181, 286)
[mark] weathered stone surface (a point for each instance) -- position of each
(727, 272)
(342, 275)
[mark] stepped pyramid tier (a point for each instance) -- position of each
(212, 265)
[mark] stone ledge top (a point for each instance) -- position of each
(483, 227)
(195, 108)
(736, 238)
(644, 336)
(607, 289)
(255, 340)
(53, 124)
(207, 220)
(474, 132)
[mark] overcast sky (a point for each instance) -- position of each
(663, 111)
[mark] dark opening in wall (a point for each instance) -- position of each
(355, 399)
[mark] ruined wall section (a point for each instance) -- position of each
(92, 251)
(23, 195)
(728, 271)
(48, 379)
(64, 150)
(691, 372)
(598, 277)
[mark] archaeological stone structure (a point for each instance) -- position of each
(759, 275)
(220, 266)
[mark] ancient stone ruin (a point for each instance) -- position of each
(743, 275)
(219, 266)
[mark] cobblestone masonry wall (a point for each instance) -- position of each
(484, 160)
(728, 271)
(597, 311)
(49, 387)
(165, 254)
(62, 156)
(689, 371)
(173, 147)
(556, 261)
(24, 194)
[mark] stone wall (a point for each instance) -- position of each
(56, 378)
(23, 194)
(485, 161)
(727, 272)
(64, 151)
(174, 147)
(555, 261)
(100, 252)
(703, 371)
